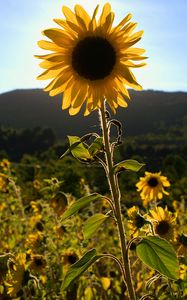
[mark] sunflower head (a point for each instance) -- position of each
(34, 240)
(5, 164)
(36, 207)
(59, 203)
(90, 60)
(38, 263)
(164, 222)
(136, 220)
(37, 184)
(152, 187)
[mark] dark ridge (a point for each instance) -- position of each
(148, 112)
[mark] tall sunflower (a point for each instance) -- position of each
(152, 187)
(90, 60)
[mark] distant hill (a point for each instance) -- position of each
(147, 112)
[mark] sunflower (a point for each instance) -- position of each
(38, 263)
(5, 164)
(135, 220)
(59, 203)
(151, 186)
(90, 59)
(17, 275)
(34, 240)
(36, 206)
(164, 222)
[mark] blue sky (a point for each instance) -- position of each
(165, 39)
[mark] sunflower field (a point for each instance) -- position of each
(40, 243)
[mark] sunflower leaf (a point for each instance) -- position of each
(79, 204)
(129, 164)
(77, 149)
(96, 146)
(159, 255)
(92, 224)
(80, 267)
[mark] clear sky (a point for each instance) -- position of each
(165, 39)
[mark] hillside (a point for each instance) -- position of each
(148, 112)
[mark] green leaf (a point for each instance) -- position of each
(96, 146)
(82, 202)
(80, 267)
(129, 164)
(159, 255)
(92, 224)
(77, 149)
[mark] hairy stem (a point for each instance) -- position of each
(116, 196)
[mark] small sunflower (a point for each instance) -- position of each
(38, 263)
(34, 240)
(5, 164)
(151, 187)
(37, 184)
(36, 206)
(136, 220)
(59, 203)
(164, 222)
(90, 60)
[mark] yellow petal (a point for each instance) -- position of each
(82, 16)
(60, 88)
(132, 65)
(93, 23)
(108, 23)
(46, 45)
(65, 25)
(121, 87)
(74, 111)
(128, 77)
(121, 102)
(56, 82)
(122, 23)
(128, 28)
(50, 65)
(66, 75)
(70, 16)
(56, 58)
(134, 36)
(105, 12)
(81, 97)
(48, 74)
(66, 102)
(58, 36)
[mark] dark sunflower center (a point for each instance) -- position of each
(38, 262)
(72, 259)
(140, 221)
(162, 228)
(93, 58)
(152, 182)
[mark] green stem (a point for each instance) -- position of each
(116, 197)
